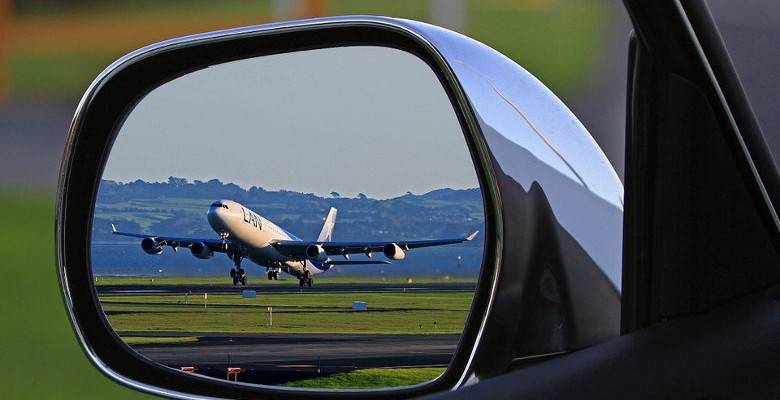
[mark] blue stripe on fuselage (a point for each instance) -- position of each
(322, 266)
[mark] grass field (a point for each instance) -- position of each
(371, 378)
(132, 340)
(388, 313)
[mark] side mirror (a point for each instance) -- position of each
(548, 208)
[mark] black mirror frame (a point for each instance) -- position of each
(101, 113)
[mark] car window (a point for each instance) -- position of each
(751, 32)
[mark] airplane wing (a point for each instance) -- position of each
(218, 245)
(297, 249)
(340, 262)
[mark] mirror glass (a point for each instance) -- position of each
(307, 219)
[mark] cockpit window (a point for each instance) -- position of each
(219, 204)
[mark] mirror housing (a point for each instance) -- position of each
(551, 273)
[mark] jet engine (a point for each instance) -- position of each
(393, 252)
(316, 252)
(200, 250)
(151, 246)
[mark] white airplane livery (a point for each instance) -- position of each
(245, 234)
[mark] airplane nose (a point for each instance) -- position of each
(217, 215)
(213, 212)
(222, 214)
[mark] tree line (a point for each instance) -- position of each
(172, 208)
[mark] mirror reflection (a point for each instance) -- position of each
(309, 219)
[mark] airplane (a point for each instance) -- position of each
(245, 234)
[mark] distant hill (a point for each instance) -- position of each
(178, 207)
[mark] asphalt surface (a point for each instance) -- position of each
(279, 288)
(272, 359)
(33, 136)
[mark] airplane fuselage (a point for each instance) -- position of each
(254, 234)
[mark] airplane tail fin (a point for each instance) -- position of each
(326, 234)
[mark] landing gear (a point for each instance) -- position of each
(273, 275)
(305, 279)
(238, 276)
(237, 273)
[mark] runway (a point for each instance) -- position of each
(278, 358)
(280, 288)
(272, 359)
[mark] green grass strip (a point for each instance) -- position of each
(388, 313)
(133, 340)
(372, 378)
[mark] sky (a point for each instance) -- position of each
(366, 119)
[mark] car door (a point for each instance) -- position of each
(701, 317)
